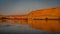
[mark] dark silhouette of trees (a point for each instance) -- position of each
(3, 19)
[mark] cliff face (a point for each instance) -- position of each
(42, 13)
(40, 24)
(49, 12)
(47, 25)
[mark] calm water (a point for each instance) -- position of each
(22, 27)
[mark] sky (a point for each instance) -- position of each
(21, 7)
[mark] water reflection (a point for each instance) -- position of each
(13, 21)
(8, 22)
(47, 25)
(12, 27)
(41, 25)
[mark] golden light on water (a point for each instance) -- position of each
(46, 25)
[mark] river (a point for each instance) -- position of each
(21, 27)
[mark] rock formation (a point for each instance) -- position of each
(49, 25)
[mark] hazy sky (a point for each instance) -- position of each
(18, 7)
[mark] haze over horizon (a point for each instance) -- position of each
(20, 7)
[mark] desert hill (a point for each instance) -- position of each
(53, 13)
(47, 25)
(49, 12)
